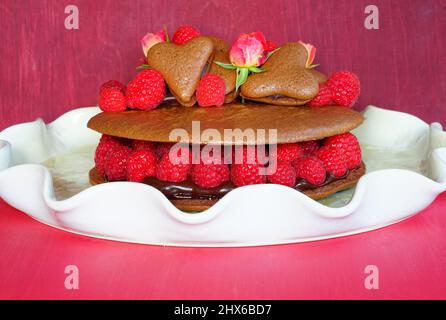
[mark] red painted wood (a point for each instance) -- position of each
(410, 257)
(47, 70)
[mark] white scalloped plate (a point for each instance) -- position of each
(253, 215)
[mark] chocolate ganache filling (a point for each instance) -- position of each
(190, 191)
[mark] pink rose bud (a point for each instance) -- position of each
(150, 39)
(249, 50)
(311, 51)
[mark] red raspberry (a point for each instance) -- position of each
(323, 98)
(116, 167)
(185, 34)
(249, 154)
(147, 90)
(211, 91)
(349, 145)
(208, 156)
(141, 164)
(180, 154)
(284, 175)
(289, 152)
(210, 175)
(270, 46)
(112, 99)
(173, 171)
(246, 174)
(105, 146)
(309, 147)
(334, 160)
(112, 84)
(345, 87)
(311, 169)
(246, 166)
(143, 145)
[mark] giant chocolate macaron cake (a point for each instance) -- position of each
(204, 118)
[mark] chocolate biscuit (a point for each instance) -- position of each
(285, 81)
(182, 66)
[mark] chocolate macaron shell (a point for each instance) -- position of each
(282, 101)
(229, 76)
(285, 76)
(292, 124)
(182, 65)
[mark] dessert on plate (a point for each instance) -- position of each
(203, 118)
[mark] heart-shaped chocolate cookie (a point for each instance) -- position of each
(182, 66)
(319, 76)
(285, 81)
(229, 76)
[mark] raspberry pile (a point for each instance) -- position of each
(146, 91)
(342, 88)
(286, 164)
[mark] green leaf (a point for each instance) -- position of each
(256, 70)
(225, 65)
(242, 76)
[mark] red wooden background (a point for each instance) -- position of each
(47, 70)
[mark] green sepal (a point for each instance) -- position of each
(225, 65)
(256, 70)
(271, 53)
(142, 67)
(242, 76)
(166, 34)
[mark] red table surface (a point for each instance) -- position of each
(410, 256)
